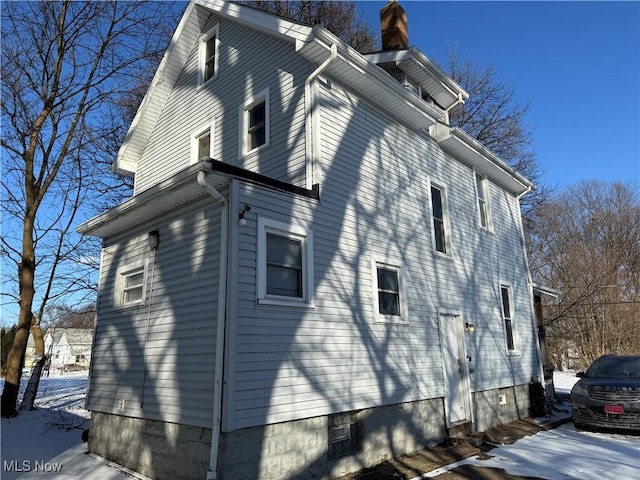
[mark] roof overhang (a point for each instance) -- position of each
(417, 65)
(157, 200)
(362, 75)
(544, 290)
(471, 152)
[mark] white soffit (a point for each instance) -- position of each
(157, 200)
(471, 152)
(417, 65)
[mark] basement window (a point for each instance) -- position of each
(344, 435)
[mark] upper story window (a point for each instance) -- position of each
(208, 55)
(441, 242)
(131, 283)
(507, 314)
(202, 143)
(482, 195)
(285, 264)
(254, 123)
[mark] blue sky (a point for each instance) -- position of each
(577, 63)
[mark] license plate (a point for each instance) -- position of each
(614, 409)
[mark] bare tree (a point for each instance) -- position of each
(67, 67)
(587, 244)
(495, 117)
(340, 18)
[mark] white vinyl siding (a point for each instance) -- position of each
(174, 334)
(247, 65)
(291, 363)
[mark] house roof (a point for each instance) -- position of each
(468, 150)
(412, 61)
(358, 71)
(313, 43)
(157, 200)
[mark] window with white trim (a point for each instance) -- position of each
(285, 264)
(208, 55)
(439, 218)
(131, 284)
(254, 123)
(388, 294)
(202, 144)
(507, 315)
(482, 200)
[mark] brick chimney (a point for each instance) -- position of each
(393, 22)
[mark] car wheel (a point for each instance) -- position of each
(578, 425)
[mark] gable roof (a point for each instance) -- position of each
(313, 43)
(359, 71)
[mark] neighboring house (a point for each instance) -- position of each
(30, 353)
(315, 272)
(68, 348)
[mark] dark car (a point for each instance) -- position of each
(608, 394)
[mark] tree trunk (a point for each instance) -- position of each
(26, 274)
(32, 388)
(38, 338)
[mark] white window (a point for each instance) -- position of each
(285, 264)
(507, 315)
(208, 55)
(439, 220)
(202, 143)
(254, 123)
(482, 196)
(388, 292)
(131, 284)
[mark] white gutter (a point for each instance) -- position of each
(221, 324)
(311, 123)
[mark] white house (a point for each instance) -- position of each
(315, 272)
(68, 348)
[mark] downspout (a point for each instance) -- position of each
(312, 147)
(530, 289)
(221, 324)
(459, 101)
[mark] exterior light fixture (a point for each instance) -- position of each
(154, 239)
(469, 327)
(243, 221)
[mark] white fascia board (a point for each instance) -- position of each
(362, 75)
(544, 290)
(471, 152)
(257, 19)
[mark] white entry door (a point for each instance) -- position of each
(455, 369)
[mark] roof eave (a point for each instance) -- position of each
(359, 73)
(471, 152)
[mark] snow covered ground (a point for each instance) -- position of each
(46, 444)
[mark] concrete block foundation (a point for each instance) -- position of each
(312, 448)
